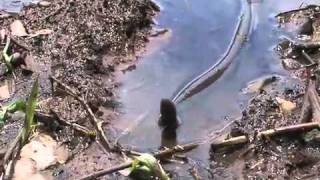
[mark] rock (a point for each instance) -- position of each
(17, 29)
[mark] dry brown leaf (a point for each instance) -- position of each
(61, 154)
(24, 167)
(4, 91)
(286, 106)
(30, 64)
(17, 29)
(44, 151)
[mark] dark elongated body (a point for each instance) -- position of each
(214, 72)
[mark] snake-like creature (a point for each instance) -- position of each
(168, 114)
(212, 74)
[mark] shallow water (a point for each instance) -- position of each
(13, 6)
(199, 34)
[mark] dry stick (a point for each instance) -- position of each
(306, 109)
(268, 133)
(23, 46)
(98, 125)
(314, 100)
(230, 142)
(289, 129)
(307, 57)
(167, 152)
(75, 126)
(11, 148)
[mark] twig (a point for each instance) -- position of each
(23, 46)
(11, 148)
(314, 100)
(267, 134)
(306, 109)
(308, 58)
(75, 126)
(289, 129)
(167, 152)
(98, 125)
(230, 142)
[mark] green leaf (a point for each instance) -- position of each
(6, 57)
(17, 105)
(30, 110)
(145, 166)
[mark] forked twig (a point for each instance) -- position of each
(97, 124)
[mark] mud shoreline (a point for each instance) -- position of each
(89, 41)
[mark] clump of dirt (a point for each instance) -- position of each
(291, 154)
(84, 43)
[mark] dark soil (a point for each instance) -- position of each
(90, 40)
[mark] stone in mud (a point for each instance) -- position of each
(168, 115)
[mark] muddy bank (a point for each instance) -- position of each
(83, 45)
(293, 154)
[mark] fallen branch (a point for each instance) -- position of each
(267, 133)
(167, 152)
(314, 100)
(97, 124)
(288, 129)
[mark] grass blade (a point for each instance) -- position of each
(30, 110)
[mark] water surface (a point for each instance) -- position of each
(199, 34)
(13, 6)
(200, 31)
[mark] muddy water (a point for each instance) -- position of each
(199, 34)
(13, 6)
